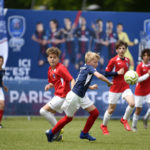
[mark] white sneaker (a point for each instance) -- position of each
(1, 126)
(134, 129)
(145, 123)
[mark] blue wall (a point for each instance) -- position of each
(26, 79)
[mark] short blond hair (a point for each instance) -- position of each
(90, 56)
(53, 50)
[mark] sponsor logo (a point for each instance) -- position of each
(54, 76)
(16, 29)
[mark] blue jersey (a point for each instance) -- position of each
(2, 72)
(83, 80)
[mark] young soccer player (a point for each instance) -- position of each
(59, 78)
(120, 87)
(2, 99)
(142, 90)
(76, 98)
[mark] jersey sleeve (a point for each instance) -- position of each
(110, 66)
(91, 69)
(64, 73)
(49, 79)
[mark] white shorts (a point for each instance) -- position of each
(2, 98)
(139, 100)
(113, 97)
(73, 102)
(55, 103)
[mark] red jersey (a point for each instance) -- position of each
(61, 78)
(119, 84)
(143, 88)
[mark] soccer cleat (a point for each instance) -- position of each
(87, 136)
(1, 126)
(134, 129)
(104, 129)
(60, 139)
(49, 135)
(125, 123)
(58, 136)
(145, 123)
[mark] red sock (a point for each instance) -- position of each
(61, 123)
(90, 121)
(1, 114)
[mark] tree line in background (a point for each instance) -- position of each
(104, 5)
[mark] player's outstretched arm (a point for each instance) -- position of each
(48, 86)
(93, 87)
(119, 72)
(103, 78)
(144, 77)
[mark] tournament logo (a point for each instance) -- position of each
(16, 29)
(16, 26)
(127, 64)
(54, 76)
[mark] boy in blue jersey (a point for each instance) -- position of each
(76, 98)
(2, 86)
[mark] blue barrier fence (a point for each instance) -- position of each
(28, 96)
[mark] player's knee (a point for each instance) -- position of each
(111, 110)
(132, 104)
(42, 111)
(138, 110)
(2, 105)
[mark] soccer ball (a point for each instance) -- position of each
(131, 77)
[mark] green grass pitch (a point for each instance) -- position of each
(22, 134)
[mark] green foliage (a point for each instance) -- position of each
(126, 5)
(22, 134)
(105, 5)
(62, 4)
(18, 4)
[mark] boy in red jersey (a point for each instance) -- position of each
(142, 90)
(2, 98)
(120, 87)
(59, 78)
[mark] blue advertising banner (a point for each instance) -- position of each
(27, 97)
(31, 32)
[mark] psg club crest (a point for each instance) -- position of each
(16, 26)
(127, 64)
(16, 29)
(54, 76)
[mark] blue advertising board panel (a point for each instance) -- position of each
(27, 97)
(27, 28)
(31, 32)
